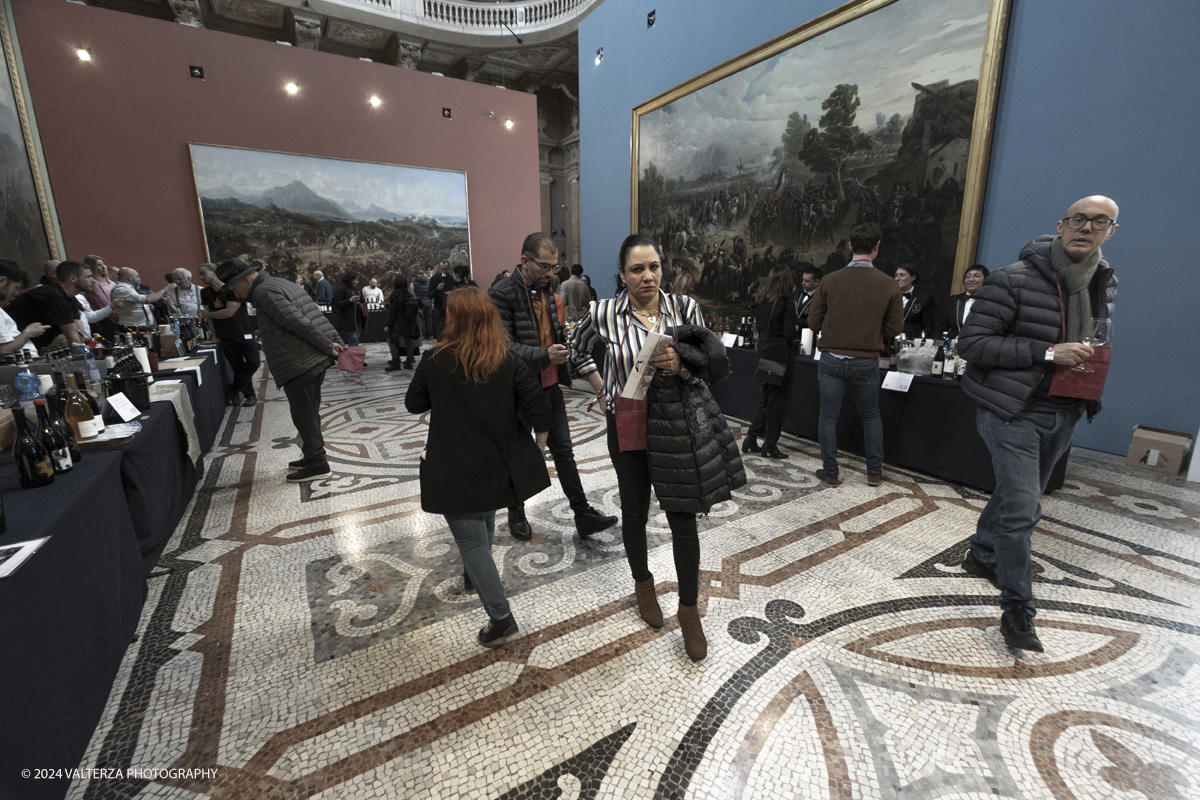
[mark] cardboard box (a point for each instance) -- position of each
(1158, 450)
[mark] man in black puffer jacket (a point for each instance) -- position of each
(529, 313)
(1029, 321)
(300, 345)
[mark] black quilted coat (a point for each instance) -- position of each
(297, 338)
(1016, 317)
(514, 302)
(694, 459)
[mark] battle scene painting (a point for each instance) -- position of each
(23, 236)
(869, 121)
(297, 213)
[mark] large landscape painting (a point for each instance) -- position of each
(867, 114)
(297, 213)
(23, 236)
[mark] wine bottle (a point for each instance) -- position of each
(52, 440)
(33, 460)
(951, 361)
(79, 414)
(939, 361)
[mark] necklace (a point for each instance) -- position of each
(651, 318)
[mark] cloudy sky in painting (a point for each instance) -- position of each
(400, 189)
(884, 53)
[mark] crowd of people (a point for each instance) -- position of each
(493, 381)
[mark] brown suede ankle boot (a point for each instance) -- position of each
(693, 634)
(647, 600)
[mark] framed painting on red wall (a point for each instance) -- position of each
(297, 213)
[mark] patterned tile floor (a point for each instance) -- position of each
(316, 641)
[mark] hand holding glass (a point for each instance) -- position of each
(1096, 335)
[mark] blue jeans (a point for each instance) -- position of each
(1024, 453)
(349, 337)
(473, 533)
(394, 345)
(862, 376)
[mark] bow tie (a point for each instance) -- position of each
(907, 295)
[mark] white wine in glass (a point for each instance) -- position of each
(1097, 334)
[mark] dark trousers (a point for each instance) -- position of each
(242, 354)
(410, 345)
(559, 442)
(304, 401)
(427, 331)
(633, 484)
(439, 322)
(772, 408)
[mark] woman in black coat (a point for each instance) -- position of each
(775, 323)
(404, 312)
(479, 456)
(346, 311)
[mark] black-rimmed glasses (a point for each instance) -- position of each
(1098, 223)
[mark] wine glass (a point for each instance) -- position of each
(1097, 334)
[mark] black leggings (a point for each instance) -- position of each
(633, 482)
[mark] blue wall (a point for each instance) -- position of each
(1130, 132)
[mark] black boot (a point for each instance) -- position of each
(392, 366)
(750, 444)
(1017, 628)
(518, 525)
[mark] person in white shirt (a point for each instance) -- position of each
(183, 297)
(12, 338)
(87, 316)
(372, 294)
(135, 310)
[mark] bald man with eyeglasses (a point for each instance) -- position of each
(1028, 322)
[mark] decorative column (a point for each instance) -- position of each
(571, 145)
(545, 145)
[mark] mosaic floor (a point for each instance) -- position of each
(315, 641)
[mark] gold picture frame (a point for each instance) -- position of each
(982, 126)
(24, 111)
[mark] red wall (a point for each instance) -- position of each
(115, 130)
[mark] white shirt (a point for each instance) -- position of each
(9, 332)
(967, 308)
(372, 294)
(135, 313)
(186, 302)
(87, 316)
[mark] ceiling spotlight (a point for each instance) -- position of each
(375, 101)
(84, 55)
(599, 56)
(292, 88)
(508, 123)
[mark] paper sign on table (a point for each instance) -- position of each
(14, 555)
(898, 381)
(125, 410)
(729, 339)
(643, 366)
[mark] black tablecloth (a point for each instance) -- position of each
(930, 428)
(66, 617)
(207, 395)
(373, 330)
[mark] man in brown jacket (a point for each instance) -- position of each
(853, 311)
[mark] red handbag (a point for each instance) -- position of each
(630, 414)
(351, 359)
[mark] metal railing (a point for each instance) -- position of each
(479, 18)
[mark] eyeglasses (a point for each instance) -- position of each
(1098, 223)
(550, 267)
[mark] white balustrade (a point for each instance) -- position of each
(479, 18)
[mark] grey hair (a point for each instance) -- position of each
(181, 271)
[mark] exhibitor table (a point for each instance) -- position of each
(68, 613)
(930, 428)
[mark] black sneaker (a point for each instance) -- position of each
(498, 632)
(518, 525)
(306, 474)
(592, 521)
(1016, 626)
(468, 587)
(250, 401)
(295, 465)
(973, 566)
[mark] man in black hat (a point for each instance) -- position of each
(300, 345)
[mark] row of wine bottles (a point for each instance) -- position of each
(50, 446)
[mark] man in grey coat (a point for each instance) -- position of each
(300, 345)
(1029, 322)
(575, 293)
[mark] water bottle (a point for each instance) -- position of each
(27, 385)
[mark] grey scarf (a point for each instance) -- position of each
(1074, 276)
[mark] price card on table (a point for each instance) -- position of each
(730, 339)
(898, 381)
(125, 409)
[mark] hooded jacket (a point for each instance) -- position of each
(297, 338)
(1016, 317)
(694, 459)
